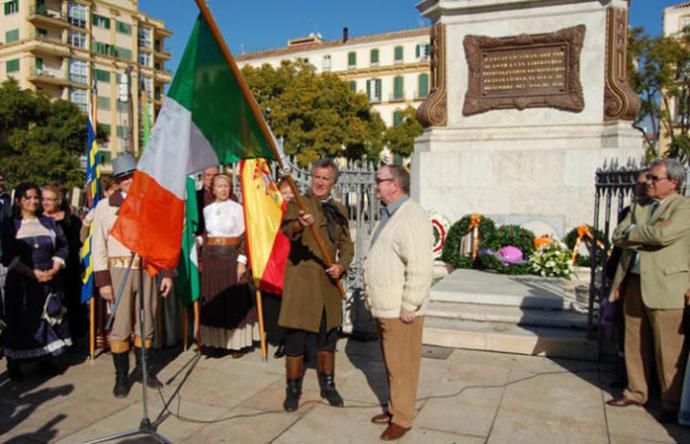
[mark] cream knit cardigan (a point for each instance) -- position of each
(399, 265)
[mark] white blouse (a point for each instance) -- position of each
(224, 219)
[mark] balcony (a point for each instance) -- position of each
(47, 76)
(162, 54)
(163, 76)
(48, 45)
(45, 16)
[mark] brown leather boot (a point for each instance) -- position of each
(293, 389)
(327, 379)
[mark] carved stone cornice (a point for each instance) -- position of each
(620, 101)
(434, 110)
(567, 96)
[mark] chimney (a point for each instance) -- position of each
(346, 34)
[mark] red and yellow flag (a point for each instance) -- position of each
(267, 246)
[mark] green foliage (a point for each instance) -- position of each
(490, 262)
(400, 138)
(585, 260)
(40, 140)
(660, 73)
(513, 235)
(552, 260)
(317, 114)
(451, 249)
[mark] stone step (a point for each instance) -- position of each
(476, 287)
(508, 315)
(507, 338)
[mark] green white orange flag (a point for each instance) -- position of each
(267, 246)
(188, 287)
(205, 120)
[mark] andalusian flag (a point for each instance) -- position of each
(93, 193)
(267, 246)
(188, 287)
(205, 120)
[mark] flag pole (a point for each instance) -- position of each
(262, 333)
(299, 200)
(197, 339)
(185, 326)
(92, 301)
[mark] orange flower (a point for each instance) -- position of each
(474, 220)
(541, 241)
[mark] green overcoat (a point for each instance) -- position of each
(307, 289)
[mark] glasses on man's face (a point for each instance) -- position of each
(378, 180)
(653, 178)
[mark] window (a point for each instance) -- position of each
(398, 54)
(106, 128)
(76, 14)
(684, 22)
(398, 87)
(103, 103)
(374, 57)
(397, 118)
(145, 37)
(148, 84)
(77, 39)
(12, 66)
(422, 51)
(122, 107)
(327, 62)
(11, 6)
(123, 28)
(41, 7)
(39, 65)
(123, 53)
(12, 35)
(41, 33)
(145, 59)
(122, 132)
(78, 97)
(374, 90)
(353, 85)
(100, 21)
(104, 156)
(423, 85)
(101, 75)
(104, 48)
(78, 70)
(351, 59)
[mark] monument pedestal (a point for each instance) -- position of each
(528, 99)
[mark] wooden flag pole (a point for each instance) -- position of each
(262, 331)
(299, 200)
(185, 327)
(197, 337)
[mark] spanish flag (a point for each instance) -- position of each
(267, 246)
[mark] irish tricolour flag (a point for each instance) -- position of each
(205, 120)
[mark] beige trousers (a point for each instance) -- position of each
(127, 314)
(652, 335)
(401, 345)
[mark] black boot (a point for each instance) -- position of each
(137, 375)
(327, 379)
(293, 389)
(121, 362)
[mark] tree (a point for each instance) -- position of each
(316, 114)
(400, 137)
(40, 140)
(660, 73)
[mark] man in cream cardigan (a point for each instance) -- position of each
(397, 281)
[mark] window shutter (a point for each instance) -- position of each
(374, 56)
(397, 118)
(352, 59)
(369, 89)
(417, 51)
(12, 65)
(378, 89)
(39, 64)
(11, 35)
(353, 85)
(398, 87)
(398, 53)
(423, 85)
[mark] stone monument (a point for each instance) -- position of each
(528, 98)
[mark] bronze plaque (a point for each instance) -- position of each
(526, 71)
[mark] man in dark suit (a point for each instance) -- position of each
(204, 196)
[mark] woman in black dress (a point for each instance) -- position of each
(34, 251)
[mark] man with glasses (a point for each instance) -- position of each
(653, 277)
(397, 281)
(311, 310)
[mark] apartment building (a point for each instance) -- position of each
(64, 47)
(391, 68)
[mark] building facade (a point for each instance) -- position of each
(64, 47)
(392, 68)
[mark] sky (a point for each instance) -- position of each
(261, 24)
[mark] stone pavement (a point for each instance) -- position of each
(464, 397)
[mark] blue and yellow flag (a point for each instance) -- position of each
(93, 193)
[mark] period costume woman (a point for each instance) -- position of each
(228, 312)
(34, 251)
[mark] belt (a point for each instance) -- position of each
(223, 241)
(123, 262)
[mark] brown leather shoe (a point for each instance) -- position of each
(393, 432)
(622, 402)
(382, 418)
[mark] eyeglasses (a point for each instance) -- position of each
(653, 178)
(379, 181)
